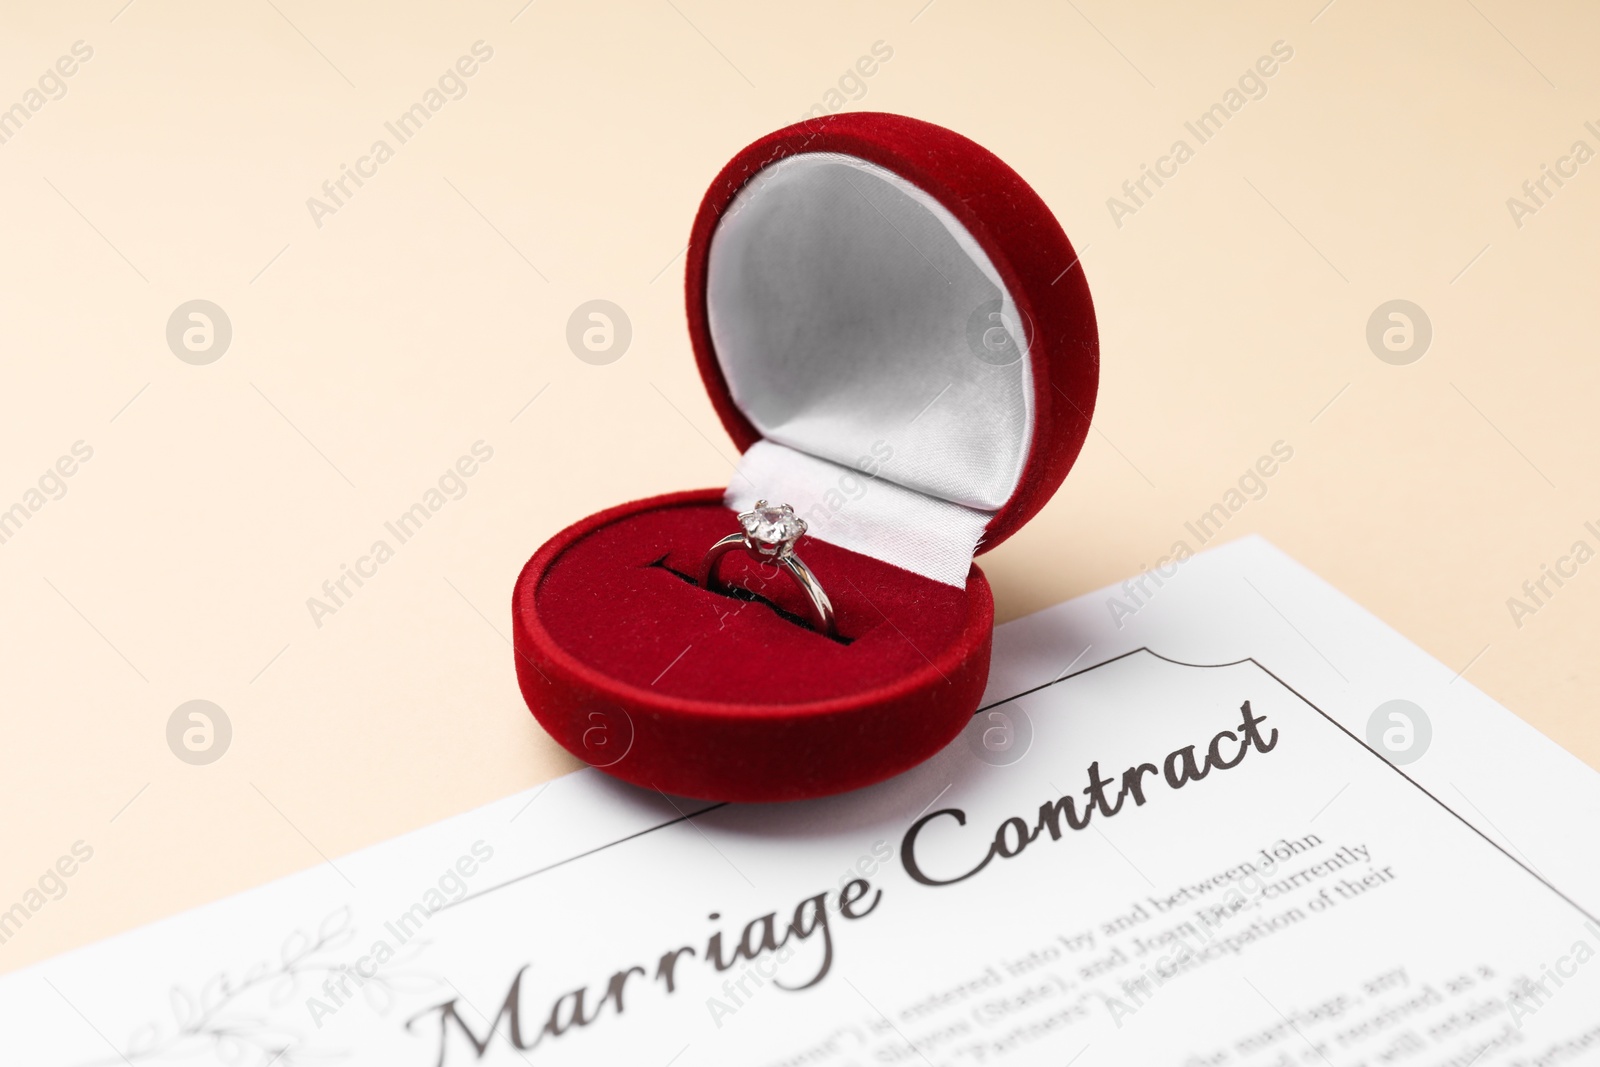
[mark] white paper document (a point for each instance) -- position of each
(1219, 815)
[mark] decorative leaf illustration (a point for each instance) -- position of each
(295, 947)
(219, 1024)
(144, 1039)
(334, 926)
(213, 993)
(283, 989)
(184, 1009)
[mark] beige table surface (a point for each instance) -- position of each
(373, 345)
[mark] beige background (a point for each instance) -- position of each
(369, 353)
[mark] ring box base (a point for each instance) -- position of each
(634, 667)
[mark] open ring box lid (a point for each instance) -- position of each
(898, 337)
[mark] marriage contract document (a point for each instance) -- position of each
(1218, 816)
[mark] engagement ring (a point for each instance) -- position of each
(770, 534)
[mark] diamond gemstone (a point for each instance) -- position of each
(772, 525)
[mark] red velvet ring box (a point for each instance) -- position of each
(899, 338)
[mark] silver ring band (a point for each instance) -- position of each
(770, 534)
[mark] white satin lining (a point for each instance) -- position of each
(847, 307)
